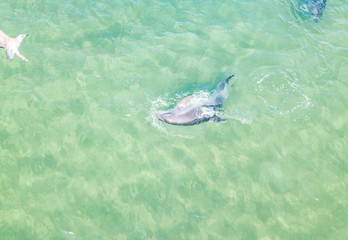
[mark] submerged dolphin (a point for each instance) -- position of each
(11, 45)
(193, 110)
(314, 8)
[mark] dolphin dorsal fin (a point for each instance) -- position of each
(220, 94)
(228, 78)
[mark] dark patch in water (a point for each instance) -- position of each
(312, 8)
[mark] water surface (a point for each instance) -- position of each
(81, 156)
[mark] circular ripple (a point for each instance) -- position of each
(281, 91)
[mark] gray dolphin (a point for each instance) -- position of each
(11, 45)
(193, 110)
(313, 8)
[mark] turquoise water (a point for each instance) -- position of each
(82, 157)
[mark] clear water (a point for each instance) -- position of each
(82, 157)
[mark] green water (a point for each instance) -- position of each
(82, 157)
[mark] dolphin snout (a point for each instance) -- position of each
(161, 114)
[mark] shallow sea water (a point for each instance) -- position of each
(82, 157)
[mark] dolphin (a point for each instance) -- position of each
(11, 45)
(314, 8)
(193, 109)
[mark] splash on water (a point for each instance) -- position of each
(241, 115)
